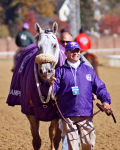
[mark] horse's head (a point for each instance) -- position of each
(47, 42)
(48, 49)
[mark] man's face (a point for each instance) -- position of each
(65, 38)
(73, 56)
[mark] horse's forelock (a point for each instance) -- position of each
(39, 37)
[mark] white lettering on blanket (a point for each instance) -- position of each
(23, 62)
(15, 92)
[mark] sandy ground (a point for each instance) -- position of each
(14, 126)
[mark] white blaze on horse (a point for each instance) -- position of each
(36, 64)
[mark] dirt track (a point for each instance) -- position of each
(14, 127)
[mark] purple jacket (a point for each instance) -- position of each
(23, 89)
(87, 82)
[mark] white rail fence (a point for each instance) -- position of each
(107, 51)
(112, 54)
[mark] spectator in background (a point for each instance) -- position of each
(23, 39)
(67, 37)
(61, 32)
(83, 40)
(85, 44)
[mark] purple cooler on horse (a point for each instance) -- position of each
(23, 89)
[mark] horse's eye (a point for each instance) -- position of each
(49, 71)
(54, 46)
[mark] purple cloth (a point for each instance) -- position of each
(23, 89)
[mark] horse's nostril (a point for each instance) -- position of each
(44, 73)
(49, 71)
(41, 71)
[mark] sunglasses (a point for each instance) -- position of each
(63, 42)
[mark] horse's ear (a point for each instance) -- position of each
(38, 28)
(55, 27)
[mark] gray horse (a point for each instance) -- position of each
(37, 64)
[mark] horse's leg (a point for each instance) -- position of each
(54, 134)
(34, 124)
(51, 134)
(57, 137)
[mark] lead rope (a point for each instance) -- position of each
(38, 87)
(53, 94)
(64, 117)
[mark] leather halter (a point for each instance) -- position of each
(38, 87)
(48, 30)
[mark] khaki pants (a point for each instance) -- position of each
(86, 130)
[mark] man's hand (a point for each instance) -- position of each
(94, 97)
(51, 80)
(106, 105)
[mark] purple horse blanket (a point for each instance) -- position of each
(23, 89)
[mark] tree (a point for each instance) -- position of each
(111, 3)
(7, 12)
(61, 25)
(45, 8)
(111, 7)
(111, 24)
(87, 14)
(31, 20)
(4, 32)
(13, 12)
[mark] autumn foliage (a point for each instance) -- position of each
(62, 24)
(111, 23)
(31, 20)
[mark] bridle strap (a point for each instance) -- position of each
(53, 94)
(38, 87)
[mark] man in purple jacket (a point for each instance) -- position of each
(74, 83)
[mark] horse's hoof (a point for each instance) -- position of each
(36, 144)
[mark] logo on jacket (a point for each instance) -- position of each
(23, 37)
(88, 77)
(84, 40)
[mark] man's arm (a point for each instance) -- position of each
(99, 88)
